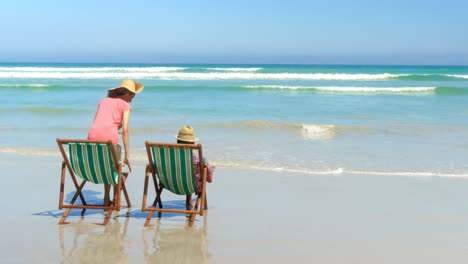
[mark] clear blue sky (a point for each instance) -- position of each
(235, 31)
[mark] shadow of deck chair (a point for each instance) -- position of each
(171, 165)
(92, 161)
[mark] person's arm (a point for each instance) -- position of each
(210, 169)
(125, 120)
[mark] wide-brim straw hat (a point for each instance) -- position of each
(186, 134)
(131, 85)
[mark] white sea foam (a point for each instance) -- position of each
(409, 173)
(458, 76)
(350, 89)
(91, 69)
(169, 75)
(25, 85)
(235, 69)
(314, 131)
(285, 87)
(377, 89)
(341, 171)
(306, 131)
(42, 152)
(140, 155)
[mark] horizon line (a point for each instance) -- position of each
(234, 63)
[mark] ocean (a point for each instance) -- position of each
(310, 119)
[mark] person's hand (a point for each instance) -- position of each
(127, 162)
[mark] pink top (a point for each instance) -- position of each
(108, 119)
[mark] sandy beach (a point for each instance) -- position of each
(254, 216)
(338, 129)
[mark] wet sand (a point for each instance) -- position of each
(254, 216)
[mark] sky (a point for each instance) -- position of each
(235, 31)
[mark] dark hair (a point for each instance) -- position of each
(184, 142)
(118, 92)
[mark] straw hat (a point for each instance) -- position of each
(186, 134)
(132, 86)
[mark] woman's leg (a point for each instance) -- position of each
(107, 200)
(188, 202)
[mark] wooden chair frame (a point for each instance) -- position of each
(157, 205)
(66, 165)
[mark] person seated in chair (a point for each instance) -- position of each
(186, 135)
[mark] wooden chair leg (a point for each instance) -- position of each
(194, 212)
(157, 201)
(192, 216)
(127, 199)
(204, 205)
(159, 204)
(64, 217)
(78, 193)
(148, 218)
(192, 219)
(62, 186)
(124, 188)
(72, 202)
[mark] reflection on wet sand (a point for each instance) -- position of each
(175, 245)
(94, 244)
(121, 242)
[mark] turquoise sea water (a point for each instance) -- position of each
(317, 119)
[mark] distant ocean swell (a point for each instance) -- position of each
(215, 73)
(140, 158)
(422, 90)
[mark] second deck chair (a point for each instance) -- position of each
(92, 161)
(171, 165)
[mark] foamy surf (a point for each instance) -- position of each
(173, 74)
(349, 89)
(40, 152)
(141, 157)
(306, 131)
(313, 131)
(458, 76)
(25, 85)
(235, 69)
(90, 69)
(341, 171)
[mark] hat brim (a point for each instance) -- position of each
(138, 88)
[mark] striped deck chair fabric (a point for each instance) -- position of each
(174, 167)
(93, 162)
(171, 167)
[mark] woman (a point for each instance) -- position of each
(113, 113)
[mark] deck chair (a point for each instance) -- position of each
(92, 161)
(171, 165)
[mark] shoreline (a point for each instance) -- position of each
(12, 159)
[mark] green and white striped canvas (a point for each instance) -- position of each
(174, 167)
(93, 162)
